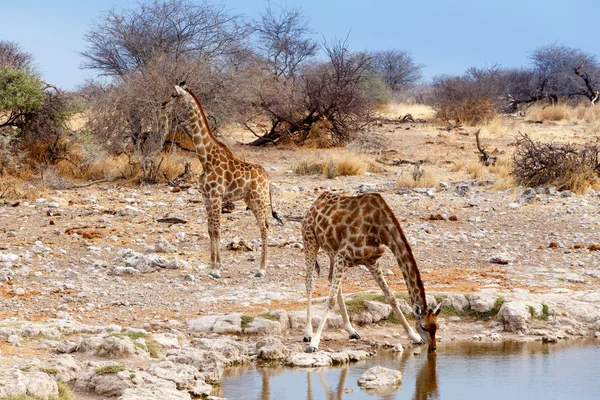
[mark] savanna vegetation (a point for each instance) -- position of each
(269, 76)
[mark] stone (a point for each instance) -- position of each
(181, 374)
(162, 245)
(271, 348)
(15, 340)
(514, 315)
(377, 377)
(458, 301)
(308, 360)
(168, 340)
(262, 326)
(230, 350)
(502, 258)
(282, 317)
(67, 346)
(154, 393)
(379, 311)
(17, 383)
(482, 303)
(203, 324)
(527, 196)
(114, 346)
(228, 324)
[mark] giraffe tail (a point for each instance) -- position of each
(273, 213)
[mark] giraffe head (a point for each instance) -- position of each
(180, 92)
(427, 325)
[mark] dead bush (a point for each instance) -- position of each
(562, 165)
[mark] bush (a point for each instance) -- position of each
(564, 166)
(468, 99)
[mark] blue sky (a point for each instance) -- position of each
(448, 36)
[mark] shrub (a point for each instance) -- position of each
(565, 166)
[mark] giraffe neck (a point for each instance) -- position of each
(207, 146)
(400, 247)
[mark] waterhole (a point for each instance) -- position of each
(461, 370)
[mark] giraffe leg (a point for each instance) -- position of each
(213, 208)
(259, 208)
(310, 250)
(345, 317)
(375, 270)
(340, 267)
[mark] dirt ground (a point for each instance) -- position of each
(68, 241)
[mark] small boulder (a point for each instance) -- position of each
(378, 377)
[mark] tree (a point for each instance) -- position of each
(21, 94)
(12, 55)
(397, 68)
(283, 40)
(332, 99)
(564, 71)
(126, 40)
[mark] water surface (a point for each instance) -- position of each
(461, 370)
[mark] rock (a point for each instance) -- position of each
(154, 393)
(168, 340)
(101, 382)
(262, 326)
(282, 317)
(181, 374)
(203, 324)
(308, 360)
(527, 196)
(378, 311)
(457, 301)
(163, 246)
(502, 258)
(66, 346)
(271, 348)
(357, 355)
(19, 291)
(482, 303)
(514, 315)
(377, 377)
(549, 339)
(230, 350)
(67, 368)
(15, 340)
(228, 324)
(114, 346)
(17, 383)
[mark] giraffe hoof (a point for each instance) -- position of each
(355, 335)
(307, 339)
(311, 349)
(259, 274)
(215, 275)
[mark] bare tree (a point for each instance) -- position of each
(12, 55)
(397, 67)
(564, 71)
(332, 99)
(125, 40)
(283, 39)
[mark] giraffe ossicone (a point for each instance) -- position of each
(355, 230)
(225, 178)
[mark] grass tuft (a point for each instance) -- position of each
(110, 369)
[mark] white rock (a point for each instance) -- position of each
(377, 377)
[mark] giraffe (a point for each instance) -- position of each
(353, 230)
(225, 178)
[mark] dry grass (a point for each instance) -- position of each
(17, 188)
(458, 165)
(502, 167)
(396, 110)
(475, 170)
(582, 112)
(427, 180)
(345, 164)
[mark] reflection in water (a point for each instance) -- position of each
(426, 386)
(498, 370)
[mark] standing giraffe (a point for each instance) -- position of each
(225, 178)
(354, 231)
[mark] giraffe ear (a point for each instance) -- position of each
(417, 311)
(436, 311)
(182, 83)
